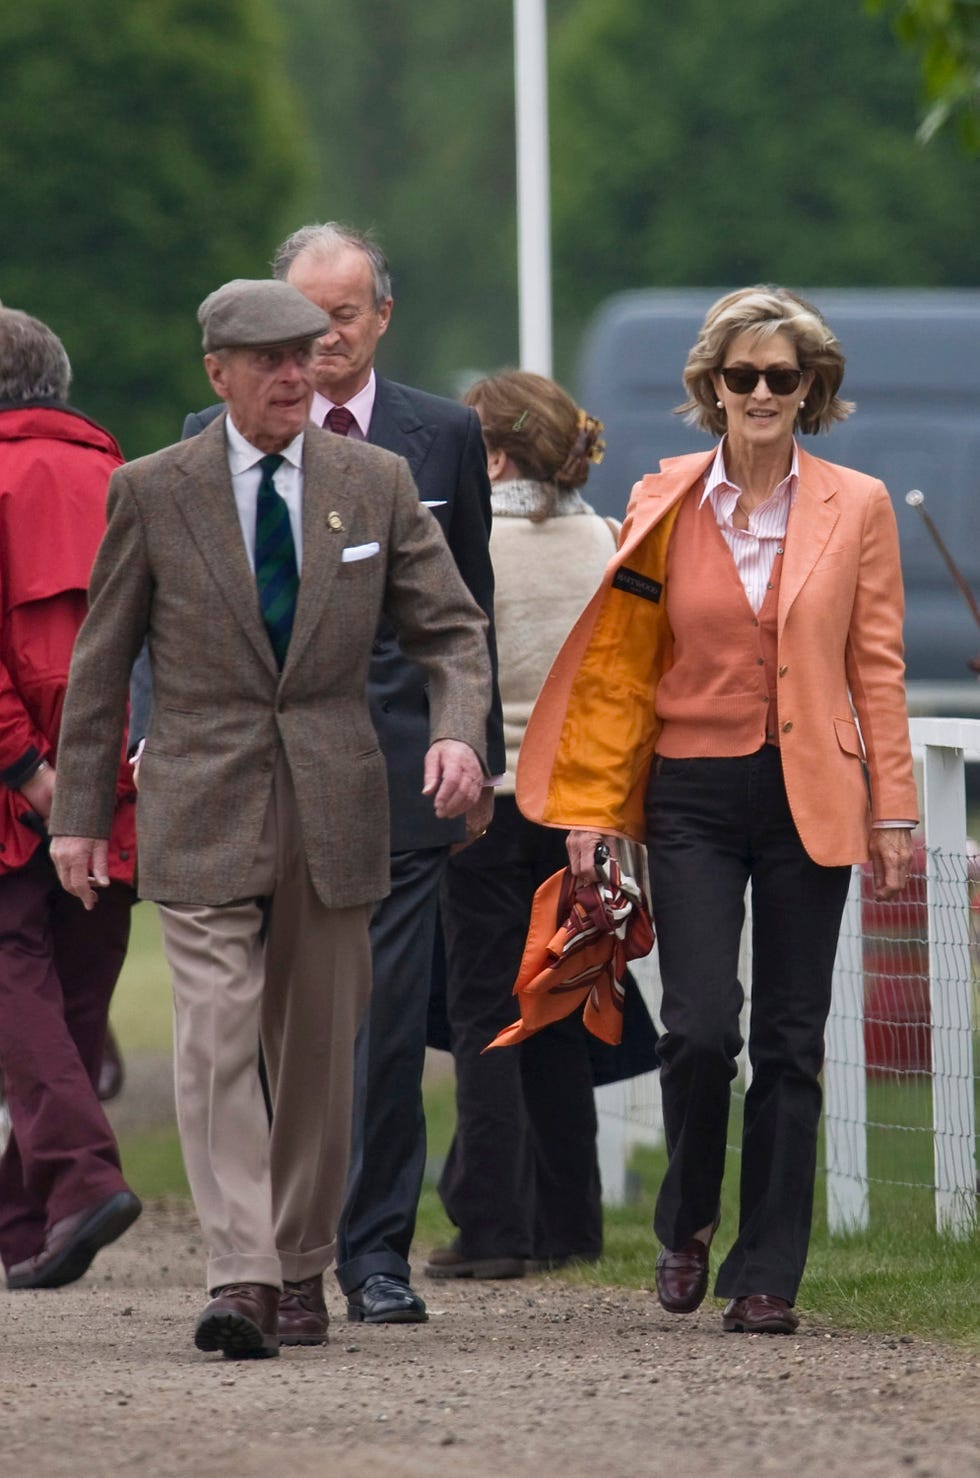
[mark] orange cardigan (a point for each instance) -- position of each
(587, 752)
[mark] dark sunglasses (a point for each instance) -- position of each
(743, 381)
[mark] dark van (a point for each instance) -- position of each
(913, 368)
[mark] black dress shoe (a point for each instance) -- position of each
(384, 1300)
(72, 1243)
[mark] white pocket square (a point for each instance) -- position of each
(434, 502)
(359, 551)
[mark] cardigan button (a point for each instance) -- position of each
(760, 661)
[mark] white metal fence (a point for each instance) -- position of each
(900, 1082)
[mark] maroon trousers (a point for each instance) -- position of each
(58, 969)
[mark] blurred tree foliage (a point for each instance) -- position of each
(691, 144)
(149, 151)
(711, 145)
(411, 108)
(946, 36)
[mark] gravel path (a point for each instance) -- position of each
(535, 1377)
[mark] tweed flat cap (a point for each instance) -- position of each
(247, 313)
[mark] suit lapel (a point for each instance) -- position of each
(396, 426)
(812, 520)
(662, 491)
(207, 504)
(327, 512)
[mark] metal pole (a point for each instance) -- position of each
(533, 185)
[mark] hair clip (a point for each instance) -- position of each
(520, 420)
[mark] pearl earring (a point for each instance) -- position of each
(802, 404)
(719, 405)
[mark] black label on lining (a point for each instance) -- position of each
(636, 584)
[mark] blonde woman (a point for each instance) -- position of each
(734, 697)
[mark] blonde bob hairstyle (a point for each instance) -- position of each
(765, 311)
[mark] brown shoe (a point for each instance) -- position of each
(682, 1277)
(72, 1243)
(449, 1262)
(242, 1321)
(759, 1313)
(303, 1317)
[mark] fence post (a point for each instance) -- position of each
(845, 1084)
(950, 985)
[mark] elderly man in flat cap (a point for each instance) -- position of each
(257, 559)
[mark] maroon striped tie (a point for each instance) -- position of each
(339, 419)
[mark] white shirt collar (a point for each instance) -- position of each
(242, 454)
(361, 406)
(718, 480)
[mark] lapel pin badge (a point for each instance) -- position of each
(335, 522)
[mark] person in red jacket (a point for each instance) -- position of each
(62, 1192)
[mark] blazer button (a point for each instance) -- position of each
(124, 856)
(787, 726)
(783, 671)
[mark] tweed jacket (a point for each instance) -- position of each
(442, 443)
(173, 569)
(844, 738)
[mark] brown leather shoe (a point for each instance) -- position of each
(242, 1321)
(72, 1243)
(682, 1277)
(758, 1313)
(303, 1317)
(450, 1262)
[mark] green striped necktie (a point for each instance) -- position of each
(275, 561)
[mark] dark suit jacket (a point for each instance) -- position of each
(172, 567)
(443, 445)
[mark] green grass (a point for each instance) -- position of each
(899, 1278)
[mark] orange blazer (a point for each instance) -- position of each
(844, 737)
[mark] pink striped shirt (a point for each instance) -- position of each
(754, 549)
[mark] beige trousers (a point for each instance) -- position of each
(268, 1200)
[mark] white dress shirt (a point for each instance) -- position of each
(754, 549)
(361, 407)
(246, 474)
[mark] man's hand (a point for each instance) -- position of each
(38, 792)
(453, 777)
(478, 818)
(891, 859)
(581, 847)
(81, 862)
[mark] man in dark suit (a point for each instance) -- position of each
(346, 275)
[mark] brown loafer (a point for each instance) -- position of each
(449, 1262)
(242, 1321)
(303, 1317)
(73, 1242)
(759, 1313)
(682, 1277)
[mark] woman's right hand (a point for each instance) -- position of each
(581, 847)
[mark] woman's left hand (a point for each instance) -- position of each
(581, 847)
(891, 859)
